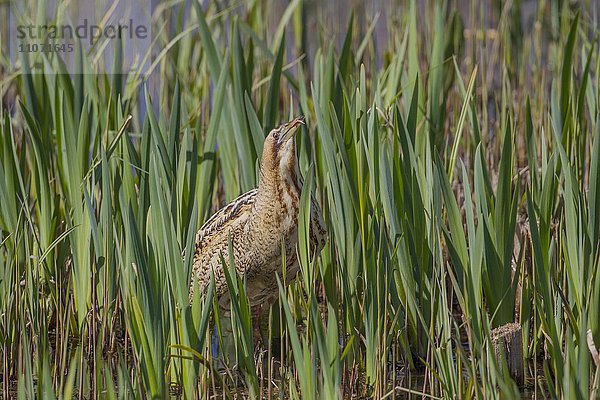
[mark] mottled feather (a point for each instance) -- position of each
(217, 228)
(225, 215)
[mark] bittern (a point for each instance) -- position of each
(261, 223)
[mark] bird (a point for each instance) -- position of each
(262, 225)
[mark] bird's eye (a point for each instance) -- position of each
(276, 135)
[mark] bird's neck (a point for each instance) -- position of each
(280, 190)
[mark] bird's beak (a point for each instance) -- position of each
(290, 128)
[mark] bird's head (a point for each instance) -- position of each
(279, 150)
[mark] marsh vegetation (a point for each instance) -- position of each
(455, 155)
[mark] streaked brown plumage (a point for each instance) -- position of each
(257, 222)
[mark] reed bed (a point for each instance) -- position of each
(455, 153)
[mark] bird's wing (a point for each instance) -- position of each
(212, 239)
(224, 216)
